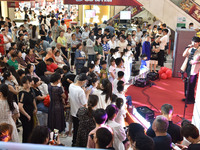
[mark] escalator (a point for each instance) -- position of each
(168, 11)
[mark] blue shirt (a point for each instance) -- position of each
(45, 45)
(49, 39)
(106, 47)
(78, 54)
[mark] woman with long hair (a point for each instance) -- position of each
(86, 121)
(33, 37)
(98, 47)
(90, 47)
(27, 108)
(7, 107)
(43, 32)
(29, 71)
(104, 94)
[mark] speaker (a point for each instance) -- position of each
(146, 112)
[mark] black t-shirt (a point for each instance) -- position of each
(37, 93)
(194, 147)
(40, 18)
(41, 68)
(173, 130)
(27, 99)
(154, 55)
(163, 142)
(43, 33)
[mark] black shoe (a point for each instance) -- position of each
(183, 99)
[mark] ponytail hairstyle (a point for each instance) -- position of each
(5, 92)
(119, 103)
(92, 102)
(107, 89)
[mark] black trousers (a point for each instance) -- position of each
(161, 58)
(190, 88)
(64, 51)
(72, 58)
(137, 51)
(75, 126)
(27, 128)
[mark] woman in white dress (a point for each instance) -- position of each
(7, 107)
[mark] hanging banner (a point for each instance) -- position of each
(104, 2)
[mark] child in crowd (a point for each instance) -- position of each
(143, 66)
(121, 113)
(104, 71)
(116, 53)
(130, 58)
(112, 69)
(120, 66)
(97, 68)
(126, 65)
(120, 77)
(59, 59)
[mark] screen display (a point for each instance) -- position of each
(125, 15)
(90, 13)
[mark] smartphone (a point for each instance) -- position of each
(89, 88)
(175, 147)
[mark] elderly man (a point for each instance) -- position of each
(173, 130)
(163, 139)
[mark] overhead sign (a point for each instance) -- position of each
(104, 2)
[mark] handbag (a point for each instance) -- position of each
(47, 101)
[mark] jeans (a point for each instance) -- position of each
(75, 126)
(129, 100)
(42, 118)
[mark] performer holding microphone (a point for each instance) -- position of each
(191, 66)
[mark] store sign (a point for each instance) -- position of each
(181, 22)
(13, 4)
(103, 2)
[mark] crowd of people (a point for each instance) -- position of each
(51, 74)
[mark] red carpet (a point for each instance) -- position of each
(169, 91)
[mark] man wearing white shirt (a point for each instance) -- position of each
(63, 26)
(78, 98)
(163, 43)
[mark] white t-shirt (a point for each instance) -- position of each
(122, 46)
(163, 42)
(8, 45)
(112, 45)
(102, 99)
(77, 98)
(97, 69)
(68, 37)
(114, 84)
(112, 69)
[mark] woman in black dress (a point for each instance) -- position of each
(86, 121)
(27, 107)
(56, 119)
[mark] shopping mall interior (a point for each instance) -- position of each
(147, 51)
